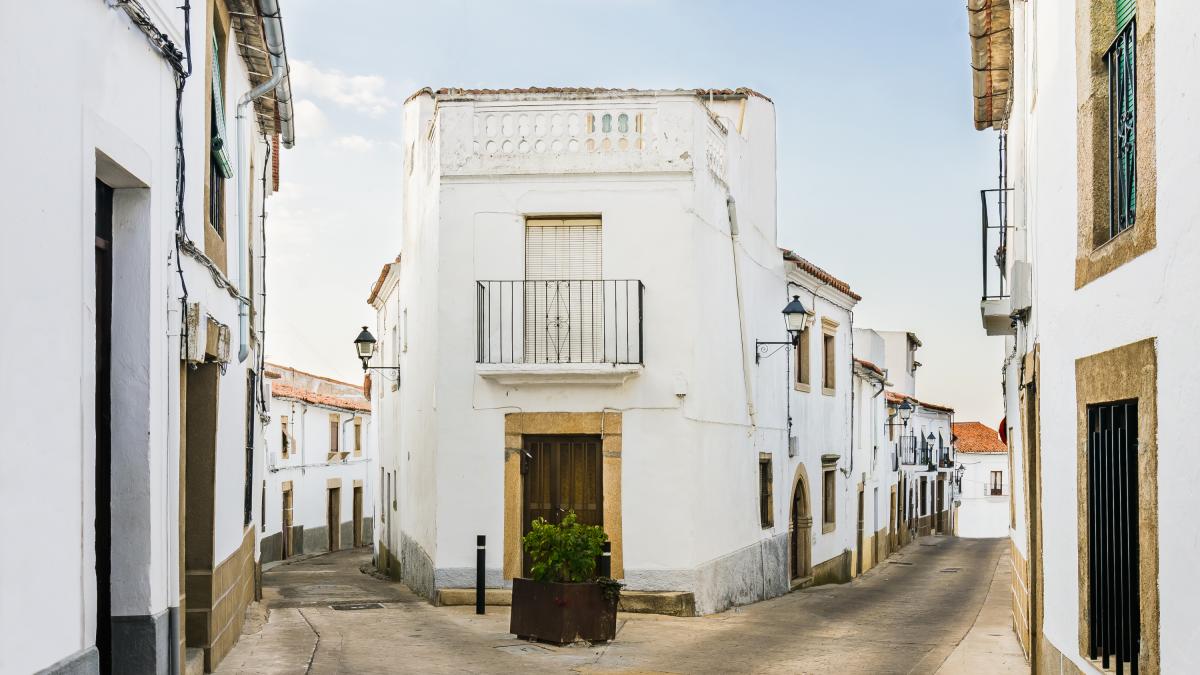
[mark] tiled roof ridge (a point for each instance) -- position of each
(465, 91)
(869, 366)
(814, 270)
(895, 397)
(281, 390)
(977, 437)
(271, 365)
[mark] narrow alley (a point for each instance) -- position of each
(906, 616)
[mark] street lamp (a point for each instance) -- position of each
(904, 410)
(364, 345)
(795, 318)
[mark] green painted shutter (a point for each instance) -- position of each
(220, 153)
(1125, 12)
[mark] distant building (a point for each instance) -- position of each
(319, 453)
(986, 482)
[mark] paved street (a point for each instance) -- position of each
(906, 616)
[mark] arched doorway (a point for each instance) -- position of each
(800, 547)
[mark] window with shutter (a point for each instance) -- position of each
(220, 148)
(564, 295)
(1122, 120)
(766, 510)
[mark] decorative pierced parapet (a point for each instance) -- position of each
(714, 154)
(570, 138)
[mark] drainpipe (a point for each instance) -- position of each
(273, 35)
(731, 205)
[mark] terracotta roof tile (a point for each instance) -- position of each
(870, 366)
(379, 281)
(977, 437)
(281, 390)
(893, 397)
(819, 273)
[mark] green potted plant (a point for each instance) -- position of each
(564, 600)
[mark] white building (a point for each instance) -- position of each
(585, 275)
(923, 488)
(129, 516)
(1094, 231)
(986, 482)
(319, 454)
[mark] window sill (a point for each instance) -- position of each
(804, 387)
(826, 528)
(828, 392)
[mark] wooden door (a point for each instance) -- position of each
(858, 564)
(333, 518)
(288, 547)
(801, 526)
(358, 514)
(562, 474)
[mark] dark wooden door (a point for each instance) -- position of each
(334, 518)
(358, 516)
(288, 548)
(562, 474)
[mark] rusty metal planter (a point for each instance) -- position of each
(562, 613)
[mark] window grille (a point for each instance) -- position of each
(1122, 115)
(1114, 615)
(766, 513)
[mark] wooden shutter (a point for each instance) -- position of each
(563, 249)
(564, 295)
(1126, 9)
(220, 144)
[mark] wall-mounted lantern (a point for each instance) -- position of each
(364, 346)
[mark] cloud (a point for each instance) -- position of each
(367, 94)
(354, 143)
(310, 121)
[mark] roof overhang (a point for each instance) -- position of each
(989, 23)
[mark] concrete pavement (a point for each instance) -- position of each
(905, 616)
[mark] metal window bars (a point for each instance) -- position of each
(1113, 592)
(554, 321)
(1121, 60)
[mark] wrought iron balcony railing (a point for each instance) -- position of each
(559, 321)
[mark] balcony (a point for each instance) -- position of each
(913, 452)
(996, 303)
(559, 331)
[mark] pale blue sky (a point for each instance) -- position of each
(879, 164)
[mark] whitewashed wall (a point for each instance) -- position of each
(98, 97)
(1150, 296)
(983, 514)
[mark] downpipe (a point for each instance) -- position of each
(273, 33)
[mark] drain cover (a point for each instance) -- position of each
(356, 605)
(951, 570)
(900, 562)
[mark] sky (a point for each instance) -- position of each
(879, 162)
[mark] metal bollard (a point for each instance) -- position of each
(604, 562)
(480, 551)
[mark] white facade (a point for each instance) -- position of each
(305, 465)
(1091, 320)
(681, 187)
(986, 494)
(100, 108)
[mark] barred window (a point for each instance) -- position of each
(1122, 115)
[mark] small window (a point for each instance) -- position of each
(997, 482)
(285, 439)
(803, 369)
(385, 491)
(830, 375)
(333, 433)
(393, 479)
(829, 498)
(357, 436)
(766, 510)
(1121, 60)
